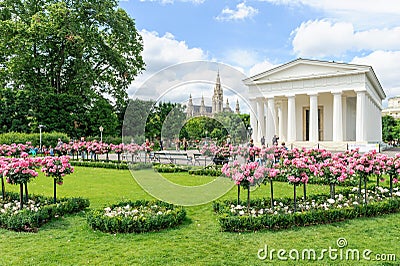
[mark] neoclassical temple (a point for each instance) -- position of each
(312, 101)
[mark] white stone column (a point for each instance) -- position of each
(291, 126)
(280, 122)
(313, 123)
(337, 123)
(261, 119)
(344, 117)
(360, 116)
(253, 118)
(271, 129)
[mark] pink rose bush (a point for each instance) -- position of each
(57, 168)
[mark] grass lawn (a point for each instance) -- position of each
(199, 241)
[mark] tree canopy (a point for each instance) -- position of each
(76, 57)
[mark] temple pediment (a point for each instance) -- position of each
(304, 68)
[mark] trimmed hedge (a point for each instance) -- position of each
(170, 168)
(144, 222)
(30, 221)
(100, 164)
(47, 138)
(112, 165)
(233, 223)
(206, 171)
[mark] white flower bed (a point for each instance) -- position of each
(13, 207)
(135, 211)
(340, 201)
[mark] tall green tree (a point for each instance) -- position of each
(390, 128)
(64, 48)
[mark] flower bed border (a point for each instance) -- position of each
(119, 224)
(232, 223)
(111, 165)
(30, 221)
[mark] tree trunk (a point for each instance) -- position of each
(238, 199)
(391, 185)
(55, 190)
(26, 192)
(272, 194)
(305, 191)
(21, 196)
(365, 190)
(294, 197)
(3, 189)
(248, 198)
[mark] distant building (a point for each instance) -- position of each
(193, 110)
(393, 108)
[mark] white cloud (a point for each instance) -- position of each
(385, 65)
(322, 38)
(160, 52)
(242, 12)
(261, 67)
(172, 1)
(241, 57)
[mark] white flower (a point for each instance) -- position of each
(331, 201)
(241, 212)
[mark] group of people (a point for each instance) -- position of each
(275, 143)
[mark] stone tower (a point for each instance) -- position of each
(202, 106)
(218, 97)
(237, 107)
(190, 108)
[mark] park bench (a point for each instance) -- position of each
(199, 158)
(171, 157)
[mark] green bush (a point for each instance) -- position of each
(170, 168)
(30, 221)
(206, 171)
(111, 165)
(47, 138)
(143, 216)
(234, 223)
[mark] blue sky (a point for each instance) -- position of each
(254, 35)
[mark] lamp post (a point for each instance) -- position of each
(206, 137)
(101, 133)
(40, 137)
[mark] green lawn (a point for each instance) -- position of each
(199, 241)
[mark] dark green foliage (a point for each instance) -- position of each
(57, 61)
(111, 165)
(30, 221)
(170, 168)
(146, 223)
(47, 138)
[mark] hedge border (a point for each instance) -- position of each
(98, 221)
(30, 221)
(230, 223)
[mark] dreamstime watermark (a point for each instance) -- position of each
(339, 252)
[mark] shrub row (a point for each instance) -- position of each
(30, 221)
(233, 223)
(112, 165)
(141, 223)
(100, 164)
(206, 171)
(170, 168)
(47, 138)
